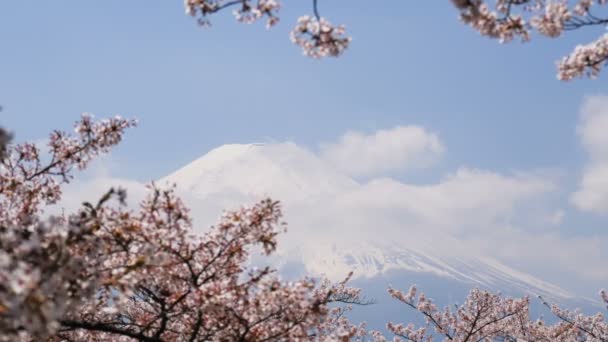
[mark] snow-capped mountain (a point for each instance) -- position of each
(282, 170)
(337, 224)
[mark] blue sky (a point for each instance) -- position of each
(495, 107)
(194, 88)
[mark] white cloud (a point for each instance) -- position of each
(593, 191)
(92, 189)
(400, 148)
(592, 194)
(92, 184)
(575, 262)
(593, 126)
(465, 201)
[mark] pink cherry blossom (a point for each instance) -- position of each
(319, 38)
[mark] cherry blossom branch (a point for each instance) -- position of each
(549, 18)
(576, 322)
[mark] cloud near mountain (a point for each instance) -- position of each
(396, 149)
(593, 190)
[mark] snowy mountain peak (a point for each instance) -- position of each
(283, 171)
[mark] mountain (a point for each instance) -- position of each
(338, 224)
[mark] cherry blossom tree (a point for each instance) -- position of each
(505, 20)
(110, 273)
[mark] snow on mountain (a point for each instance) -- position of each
(330, 237)
(371, 260)
(284, 171)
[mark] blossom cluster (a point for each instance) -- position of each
(319, 38)
(585, 60)
(516, 18)
(483, 316)
(336, 325)
(246, 12)
(249, 14)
